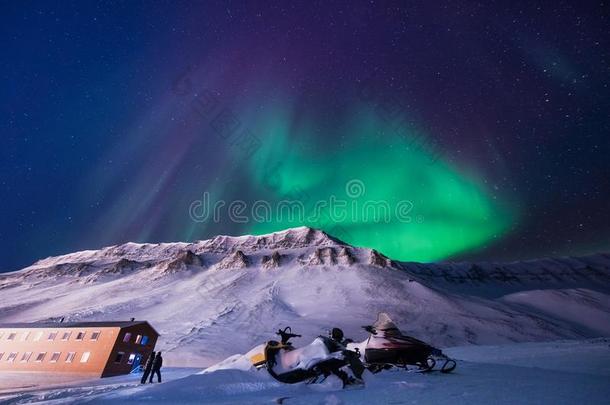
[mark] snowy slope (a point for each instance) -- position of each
(213, 298)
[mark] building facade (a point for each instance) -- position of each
(100, 349)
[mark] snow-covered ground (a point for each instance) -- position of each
(563, 372)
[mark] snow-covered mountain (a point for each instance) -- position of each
(213, 298)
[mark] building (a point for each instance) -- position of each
(100, 349)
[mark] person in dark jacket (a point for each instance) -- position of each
(156, 368)
(336, 342)
(148, 367)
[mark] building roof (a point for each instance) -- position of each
(84, 324)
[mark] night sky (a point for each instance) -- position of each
(492, 121)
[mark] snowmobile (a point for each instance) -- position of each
(312, 363)
(388, 347)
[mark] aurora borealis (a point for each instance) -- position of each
(490, 121)
(450, 211)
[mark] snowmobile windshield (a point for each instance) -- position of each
(301, 358)
(384, 322)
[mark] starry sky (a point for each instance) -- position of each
(489, 120)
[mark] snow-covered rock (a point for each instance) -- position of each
(235, 260)
(377, 259)
(272, 261)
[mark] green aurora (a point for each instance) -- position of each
(451, 212)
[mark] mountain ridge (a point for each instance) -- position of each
(198, 293)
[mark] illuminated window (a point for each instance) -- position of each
(127, 337)
(25, 336)
(11, 336)
(66, 336)
(85, 357)
(119, 357)
(38, 336)
(138, 339)
(40, 356)
(55, 357)
(144, 340)
(26, 357)
(80, 335)
(95, 335)
(131, 358)
(11, 357)
(52, 335)
(70, 357)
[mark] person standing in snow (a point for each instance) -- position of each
(337, 343)
(148, 368)
(156, 368)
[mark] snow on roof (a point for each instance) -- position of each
(84, 324)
